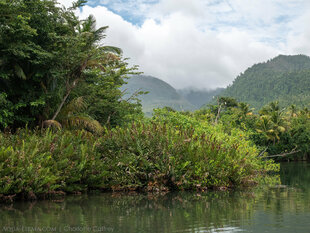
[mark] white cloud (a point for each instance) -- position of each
(206, 43)
(120, 33)
(176, 51)
(298, 41)
(66, 3)
(188, 8)
(182, 55)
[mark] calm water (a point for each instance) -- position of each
(284, 208)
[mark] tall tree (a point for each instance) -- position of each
(33, 37)
(46, 53)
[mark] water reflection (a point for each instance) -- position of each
(282, 208)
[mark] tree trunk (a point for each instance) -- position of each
(218, 113)
(61, 105)
(69, 88)
(65, 98)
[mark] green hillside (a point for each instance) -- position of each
(199, 97)
(160, 94)
(283, 78)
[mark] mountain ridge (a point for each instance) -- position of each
(161, 94)
(285, 78)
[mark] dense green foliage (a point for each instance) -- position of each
(180, 151)
(159, 94)
(39, 163)
(285, 79)
(171, 151)
(48, 59)
(279, 131)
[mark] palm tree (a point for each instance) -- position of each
(244, 109)
(271, 107)
(265, 127)
(73, 116)
(293, 110)
(272, 122)
(90, 54)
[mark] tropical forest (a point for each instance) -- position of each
(80, 124)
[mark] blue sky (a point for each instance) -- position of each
(130, 10)
(202, 43)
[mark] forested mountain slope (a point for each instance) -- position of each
(160, 94)
(199, 97)
(283, 78)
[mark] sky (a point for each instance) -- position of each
(201, 44)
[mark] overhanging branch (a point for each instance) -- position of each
(284, 154)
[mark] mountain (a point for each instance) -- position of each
(199, 97)
(160, 95)
(283, 78)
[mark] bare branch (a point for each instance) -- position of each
(261, 153)
(218, 114)
(284, 154)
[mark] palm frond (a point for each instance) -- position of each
(112, 49)
(74, 106)
(19, 72)
(89, 24)
(84, 122)
(77, 4)
(51, 124)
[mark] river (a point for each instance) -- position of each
(281, 208)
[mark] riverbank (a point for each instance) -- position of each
(273, 209)
(169, 152)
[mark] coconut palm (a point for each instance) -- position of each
(272, 123)
(292, 110)
(265, 127)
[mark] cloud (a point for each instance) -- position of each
(203, 43)
(66, 3)
(178, 52)
(185, 56)
(298, 40)
(120, 32)
(194, 8)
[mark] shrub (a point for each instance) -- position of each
(171, 151)
(40, 163)
(176, 151)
